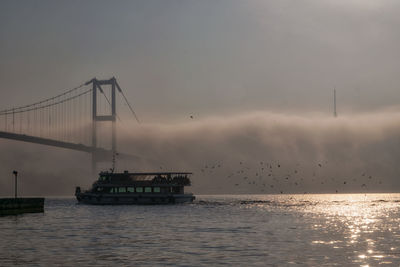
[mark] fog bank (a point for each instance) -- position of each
(258, 152)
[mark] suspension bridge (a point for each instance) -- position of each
(73, 120)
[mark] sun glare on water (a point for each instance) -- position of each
(360, 219)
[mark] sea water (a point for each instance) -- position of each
(230, 230)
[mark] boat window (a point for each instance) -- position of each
(130, 189)
(139, 189)
(156, 190)
(147, 189)
(122, 190)
(176, 190)
(112, 190)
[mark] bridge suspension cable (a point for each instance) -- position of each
(69, 120)
(52, 118)
(43, 101)
(33, 106)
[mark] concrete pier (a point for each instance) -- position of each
(12, 206)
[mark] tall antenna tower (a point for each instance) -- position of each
(334, 103)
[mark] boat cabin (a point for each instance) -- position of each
(152, 182)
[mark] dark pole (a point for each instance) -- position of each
(15, 189)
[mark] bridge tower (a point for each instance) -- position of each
(97, 86)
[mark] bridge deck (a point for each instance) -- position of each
(100, 152)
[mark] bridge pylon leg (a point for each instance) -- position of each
(94, 127)
(94, 164)
(112, 117)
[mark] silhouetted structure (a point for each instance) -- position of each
(13, 206)
(62, 120)
(137, 188)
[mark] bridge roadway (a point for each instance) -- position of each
(100, 153)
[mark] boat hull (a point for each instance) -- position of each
(137, 199)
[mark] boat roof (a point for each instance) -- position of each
(143, 176)
(145, 173)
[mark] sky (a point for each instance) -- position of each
(217, 60)
(206, 57)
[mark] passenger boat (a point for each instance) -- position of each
(137, 188)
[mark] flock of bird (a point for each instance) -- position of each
(274, 177)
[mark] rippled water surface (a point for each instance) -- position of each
(243, 230)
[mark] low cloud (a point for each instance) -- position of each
(241, 154)
(258, 152)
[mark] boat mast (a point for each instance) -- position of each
(113, 161)
(334, 103)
